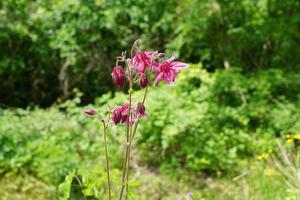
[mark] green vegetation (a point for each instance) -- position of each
(50, 47)
(228, 129)
(191, 130)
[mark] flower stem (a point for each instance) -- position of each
(107, 162)
(127, 146)
(146, 90)
(130, 132)
(144, 99)
(128, 162)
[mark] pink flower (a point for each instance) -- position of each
(141, 61)
(120, 115)
(118, 76)
(144, 59)
(124, 112)
(143, 80)
(168, 70)
(116, 116)
(90, 112)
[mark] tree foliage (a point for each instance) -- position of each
(50, 47)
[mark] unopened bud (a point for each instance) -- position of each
(90, 112)
(118, 76)
(141, 110)
(143, 80)
(116, 116)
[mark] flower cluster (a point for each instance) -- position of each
(165, 70)
(125, 115)
(139, 68)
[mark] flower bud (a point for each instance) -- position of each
(116, 116)
(125, 119)
(118, 76)
(90, 112)
(140, 110)
(143, 80)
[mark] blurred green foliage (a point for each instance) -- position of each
(50, 47)
(232, 106)
(205, 123)
(228, 117)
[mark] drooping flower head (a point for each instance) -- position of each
(120, 115)
(118, 76)
(168, 70)
(143, 80)
(140, 110)
(116, 116)
(124, 112)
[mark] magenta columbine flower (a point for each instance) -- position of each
(141, 61)
(116, 116)
(143, 80)
(144, 59)
(124, 112)
(118, 76)
(120, 115)
(90, 112)
(168, 70)
(137, 70)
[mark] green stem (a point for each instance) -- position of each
(132, 134)
(146, 90)
(107, 162)
(144, 99)
(128, 163)
(129, 138)
(126, 149)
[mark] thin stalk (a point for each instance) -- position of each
(144, 99)
(127, 145)
(107, 162)
(128, 162)
(129, 138)
(132, 134)
(146, 90)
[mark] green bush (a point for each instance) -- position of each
(206, 122)
(231, 116)
(50, 47)
(50, 143)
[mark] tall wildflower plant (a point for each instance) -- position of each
(143, 68)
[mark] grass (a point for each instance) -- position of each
(37, 152)
(258, 180)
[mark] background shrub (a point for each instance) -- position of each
(50, 47)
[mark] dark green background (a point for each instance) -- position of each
(49, 47)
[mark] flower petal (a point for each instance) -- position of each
(155, 66)
(179, 65)
(158, 77)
